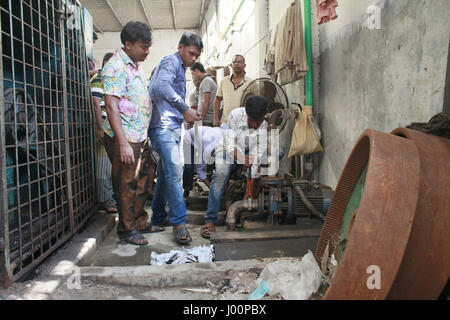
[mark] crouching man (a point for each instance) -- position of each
(245, 138)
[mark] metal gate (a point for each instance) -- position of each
(47, 188)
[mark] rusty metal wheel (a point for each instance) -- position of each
(378, 220)
(426, 265)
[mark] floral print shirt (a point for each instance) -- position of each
(125, 79)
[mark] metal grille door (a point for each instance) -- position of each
(47, 191)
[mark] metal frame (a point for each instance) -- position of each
(202, 9)
(47, 191)
(172, 4)
(146, 14)
(114, 12)
(4, 234)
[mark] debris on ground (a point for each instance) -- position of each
(287, 279)
(293, 280)
(236, 286)
(327, 277)
(201, 254)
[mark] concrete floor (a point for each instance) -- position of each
(108, 269)
(114, 252)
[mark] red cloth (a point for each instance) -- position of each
(326, 10)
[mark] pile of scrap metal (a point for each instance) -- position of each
(388, 223)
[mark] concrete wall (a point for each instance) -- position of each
(379, 79)
(248, 36)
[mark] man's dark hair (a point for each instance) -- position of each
(94, 36)
(107, 57)
(239, 55)
(256, 107)
(136, 31)
(198, 66)
(191, 39)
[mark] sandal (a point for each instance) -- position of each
(165, 223)
(110, 207)
(135, 238)
(182, 235)
(207, 229)
(150, 227)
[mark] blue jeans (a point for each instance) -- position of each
(169, 174)
(218, 184)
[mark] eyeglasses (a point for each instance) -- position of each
(238, 62)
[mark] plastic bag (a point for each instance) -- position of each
(294, 280)
(306, 135)
(202, 254)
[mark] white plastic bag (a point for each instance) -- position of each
(294, 280)
(202, 254)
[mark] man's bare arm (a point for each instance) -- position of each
(206, 103)
(112, 110)
(217, 103)
(98, 116)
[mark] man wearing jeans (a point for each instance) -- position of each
(168, 91)
(245, 143)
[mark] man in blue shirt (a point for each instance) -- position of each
(168, 92)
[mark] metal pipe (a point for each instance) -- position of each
(114, 12)
(308, 204)
(201, 15)
(233, 211)
(5, 275)
(146, 14)
(229, 193)
(234, 18)
(173, 15)
(308, 46)
(97, 28)
(62, 22)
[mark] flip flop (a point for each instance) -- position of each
(133, 238)
(149, 228)
(110, 207)
(207, 229)
(182, 235)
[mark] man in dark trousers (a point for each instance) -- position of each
(207, 90)
(128, 108)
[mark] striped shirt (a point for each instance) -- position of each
(97, 91)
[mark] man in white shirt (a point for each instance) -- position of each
(245, 143)
(206, 142)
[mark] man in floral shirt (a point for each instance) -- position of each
(128, 107)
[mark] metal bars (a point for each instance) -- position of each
(48, 189)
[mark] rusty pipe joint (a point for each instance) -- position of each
(236, 208)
